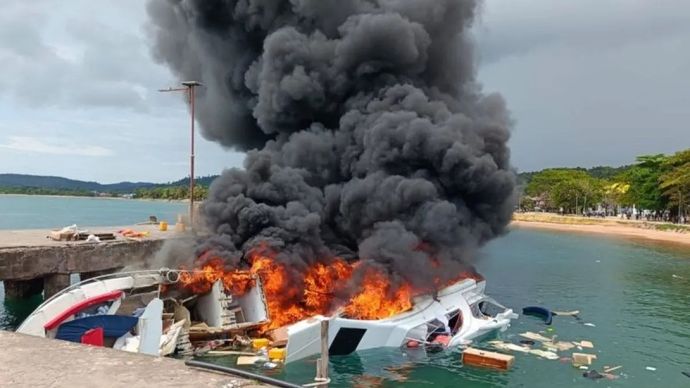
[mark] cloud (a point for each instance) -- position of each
(588, 82)
(54, 147)
(80, 56)
(522, 27)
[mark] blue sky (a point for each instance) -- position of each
(588, 82)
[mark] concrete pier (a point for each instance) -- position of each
(31, 263)
(38, 362)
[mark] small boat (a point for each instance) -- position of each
(144, 312)
(107, 310)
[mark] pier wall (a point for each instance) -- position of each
(39, 265)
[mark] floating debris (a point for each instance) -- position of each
(593, 374)
(486, 359)
(500, 345)
(580, 359)
(566, 313)
(609, 370)
(544, 354)
(535, 337)
(538, 311)
(249, 360)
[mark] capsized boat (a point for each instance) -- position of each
(144, 312)
(455, 316)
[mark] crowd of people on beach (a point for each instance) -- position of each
(632, 213)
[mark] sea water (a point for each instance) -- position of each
(46, 212)
(636, 295)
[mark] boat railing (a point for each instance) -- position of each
(166, 275)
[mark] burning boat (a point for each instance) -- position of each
(165, 312)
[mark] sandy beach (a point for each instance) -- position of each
(629, 229)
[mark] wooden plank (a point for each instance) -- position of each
(486, 359)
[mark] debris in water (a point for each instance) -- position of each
(248, 360)
(500, 345)
(277, 354)
(544, 354)
(566, 313)
(593, 374)
(538, 311)
(483, 358)
(270, 365)
(650, 368)
(580, 359)
(589, 324)
(609, 370)
(527, 342)
(586, 344)
(535, 337)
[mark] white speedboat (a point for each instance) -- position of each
(456, 316)
(144, 312)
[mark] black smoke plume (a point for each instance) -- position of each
(367, 133)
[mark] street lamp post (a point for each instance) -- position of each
(189, 87)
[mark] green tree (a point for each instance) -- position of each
(675, 181)
(570, 189)
(644, 178)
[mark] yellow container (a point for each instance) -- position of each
(277, 354)
(259, 343)
(163, 226)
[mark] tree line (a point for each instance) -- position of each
(46, 191)
(655, 187)
(172, 192)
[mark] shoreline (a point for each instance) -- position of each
(611, 229)
(94, 197)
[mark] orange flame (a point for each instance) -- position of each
(377, 300)
(292, 297)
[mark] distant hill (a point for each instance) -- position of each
(60, 183)
(600, 172)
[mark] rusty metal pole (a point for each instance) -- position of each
(191, 160)
(189, 87)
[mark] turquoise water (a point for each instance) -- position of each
(37, 212)
(637, 296)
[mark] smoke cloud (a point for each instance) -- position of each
(367, 133)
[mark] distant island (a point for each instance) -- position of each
(52, 185)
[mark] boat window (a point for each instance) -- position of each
(476, 310)
(490, 309)
(455, 321)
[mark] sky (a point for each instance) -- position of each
(588, 82)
